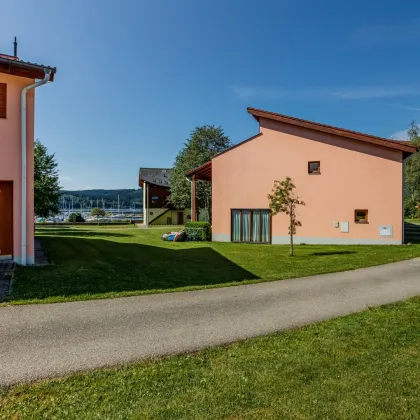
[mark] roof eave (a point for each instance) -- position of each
(352, 135)
(25, 69)
(203, 172)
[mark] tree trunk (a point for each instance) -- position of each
(291, 235)
(291, 230)
(291, 244)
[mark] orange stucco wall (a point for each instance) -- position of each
(354, 175)
(10, 159)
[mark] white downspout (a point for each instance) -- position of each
(403, 200)
(24, 158)
(147, 205)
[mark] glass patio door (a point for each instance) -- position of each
(249, 225)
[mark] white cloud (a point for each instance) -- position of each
(244, 92)
(409, 108)
(346, 93)
(65, 178)
(275, 92)
(375, 92)
(87, 187)
(412, 108)
(387, 34)
(400, 135)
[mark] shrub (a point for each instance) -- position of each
(410, 210)
(200, 231)
(76, 217)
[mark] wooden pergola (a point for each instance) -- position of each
(202, 173)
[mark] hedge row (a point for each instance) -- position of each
(201, 231)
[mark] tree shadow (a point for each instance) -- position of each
(411, 233)
(319, 254)
(95, 266)
(51, 226)
(81, 233)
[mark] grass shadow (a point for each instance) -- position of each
(52, 226)
(319, 254)
(99, 266)
(411, 233)
(80, 233)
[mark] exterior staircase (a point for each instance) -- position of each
(411, 233)
(157, 213)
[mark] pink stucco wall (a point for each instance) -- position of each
(354, 175)
(10, 159)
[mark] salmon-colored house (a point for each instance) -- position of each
(18, 80)
(352, 184)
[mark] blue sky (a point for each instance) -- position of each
(135, 77)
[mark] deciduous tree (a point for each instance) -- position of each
(46, 182)
(412, 169)
(204, 142)
(97, 212)
(284, 200)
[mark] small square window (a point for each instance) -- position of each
(361, 216)
(314, 168)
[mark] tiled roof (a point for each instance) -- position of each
(12, 65)
(156, 176)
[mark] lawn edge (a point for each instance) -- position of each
(156, 359)
(112, 295)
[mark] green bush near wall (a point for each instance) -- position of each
(200, 231)
(410, 210)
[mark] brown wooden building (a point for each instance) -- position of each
(157, 210)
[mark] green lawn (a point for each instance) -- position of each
(103, 262)
(415, 221)
(364, 366)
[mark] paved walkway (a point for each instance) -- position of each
(38, 341)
